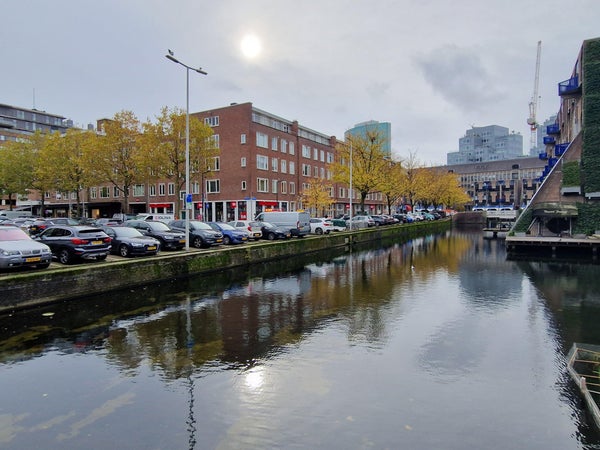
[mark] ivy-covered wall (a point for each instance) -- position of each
(570, 174)
(588, 220)
(591, 116)
(523, 221)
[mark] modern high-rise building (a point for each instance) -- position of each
(484, 144)
(383, 129)
(17, 122)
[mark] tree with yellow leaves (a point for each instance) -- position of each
(365, 156)
(317, 196)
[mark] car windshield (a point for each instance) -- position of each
(158, 226)
(225, 226)
(90, 231)
(13, 234)
(126, 232)
(197, 225)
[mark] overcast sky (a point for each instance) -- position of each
(433, 68)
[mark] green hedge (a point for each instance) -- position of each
(523, 221)
(590, 166)
(571, 174)
(588, 220)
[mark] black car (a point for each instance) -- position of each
(69, 243)
(169, 239)
(127, 241)
(271, 232)
(201, 234)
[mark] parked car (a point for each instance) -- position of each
(272, 232)
(230, 234)
(298, 222)
(251, 227)
(70, 243)
(127, 241)
(338, 224)
(169, 239)
(319, 225)
(201, 234)
(361, 222)
(17, 249)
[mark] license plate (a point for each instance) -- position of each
(97, 242)
(33, 259)
(257, 234)
(219, 240)
(152, 247)
(182, 241)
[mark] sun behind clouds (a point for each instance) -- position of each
(251, 46)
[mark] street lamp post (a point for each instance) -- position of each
(187, 142)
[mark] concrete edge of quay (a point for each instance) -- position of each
(33, 288)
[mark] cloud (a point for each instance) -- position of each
(459, 76)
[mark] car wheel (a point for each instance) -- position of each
(319, 231)
(124, 251)
(64, 256)
(197, 242)
(101, 257)
(226, 240)
(271, 236)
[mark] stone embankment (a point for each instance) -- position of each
(37, 287)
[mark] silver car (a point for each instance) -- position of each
(17, 249)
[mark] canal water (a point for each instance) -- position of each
(435, 343)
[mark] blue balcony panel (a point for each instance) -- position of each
(560, 149)
(548, 140)
(543, 155)
(570, 86)
(553, 129)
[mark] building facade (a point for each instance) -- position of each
(486, 144)
(17, 122)
(506, 183)
(383, 129)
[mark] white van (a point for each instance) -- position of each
(298, 222)
(166, 218)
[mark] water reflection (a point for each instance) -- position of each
(366, 349)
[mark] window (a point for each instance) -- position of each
(283, 166)
(161, 189)
(262, 185)
(244, 185)
(274, 184)
(283, 146)
(195, 187)
(94, 192)
(322, 155)
(316, 154)
(292, 187)
(315, 172)
(262, 140)
(274, 164)
(243, 161)
(291, 148)
(284, 187)
(212, 121)
(116, 192)
(181, 195)
(262, 162)
(215, 139)
(138, 190)
(292, 168)
(274, 143)
(152, 190)
(242, 138)
(171, 188)
(306, 170)
(104, 192)
(305, 151)
(213, 186)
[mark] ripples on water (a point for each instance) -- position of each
(439, 342)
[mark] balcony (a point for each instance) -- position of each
(570, 86)
(553, 129)
(560, 149)
(543, 155)
(549, 140)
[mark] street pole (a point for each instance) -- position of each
(187, 143)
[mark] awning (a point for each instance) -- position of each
(160, 205)
(267, 203)
(555, 209)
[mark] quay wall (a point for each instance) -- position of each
(32, 288)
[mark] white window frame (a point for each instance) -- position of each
(262, 162)
(262, 185)
(262, 140)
